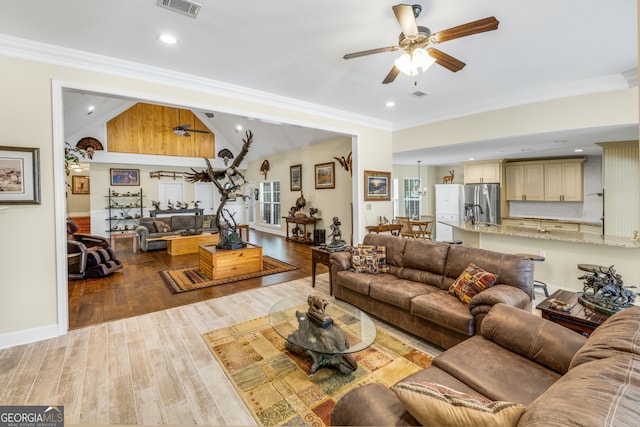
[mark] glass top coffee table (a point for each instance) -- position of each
(328, 332)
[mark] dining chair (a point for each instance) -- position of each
(406, 230)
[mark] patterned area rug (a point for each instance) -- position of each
(276, 385)
(191, 278)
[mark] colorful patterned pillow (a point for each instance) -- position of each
(437, 405)
(380, 255)
(206, 223)
(162, 226)
(472, 281)
(363, 260)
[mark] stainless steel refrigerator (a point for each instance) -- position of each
(482, 201)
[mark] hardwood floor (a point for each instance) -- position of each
(138, 289)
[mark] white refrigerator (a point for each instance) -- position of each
(450, 208)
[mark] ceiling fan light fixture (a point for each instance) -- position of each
(414, 63)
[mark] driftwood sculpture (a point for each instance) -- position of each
(227, 180)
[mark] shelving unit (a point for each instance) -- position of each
(124, 210)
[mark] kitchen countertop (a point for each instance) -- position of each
(564, 221)
(560, 235)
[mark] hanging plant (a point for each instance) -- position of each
(72, 156)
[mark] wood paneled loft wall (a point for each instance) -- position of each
(148, 129)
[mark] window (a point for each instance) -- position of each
(411, 198)
(270, 206)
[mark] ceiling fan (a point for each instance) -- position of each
(418, 43)
(185, 128)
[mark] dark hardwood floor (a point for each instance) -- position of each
(138, 288)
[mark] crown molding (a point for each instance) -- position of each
(42, 52)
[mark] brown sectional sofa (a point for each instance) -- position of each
(563, 378)
(413, 293)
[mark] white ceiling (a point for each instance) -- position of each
(542, 49)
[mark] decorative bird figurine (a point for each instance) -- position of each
(345, 163)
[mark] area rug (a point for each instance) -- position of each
(277, 386)
(191, 278)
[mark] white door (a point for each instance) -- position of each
(205, 193)
(170, 191)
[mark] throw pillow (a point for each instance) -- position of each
(472, 281)
(206, 223)
(437, 405)
(363, 261)
(162, 226)
(380, 256)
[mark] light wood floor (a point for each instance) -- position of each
(148, 369)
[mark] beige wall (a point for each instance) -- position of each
(33, 295)
(331, 202)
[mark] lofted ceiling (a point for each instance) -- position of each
(542, 50)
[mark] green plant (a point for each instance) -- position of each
(72, 156)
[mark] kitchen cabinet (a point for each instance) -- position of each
(526, 223)
(524, 181)
(563, 181)
(449, 208)
(482, 173)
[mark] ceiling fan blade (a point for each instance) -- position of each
(185, 133)
(391, 76)
(470, 28)
(185, 126)
(406, 18)
(371, 52)
(445, 60)
(198, 131)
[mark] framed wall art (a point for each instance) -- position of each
(80, 184)
(295, 177)
(125, 176)
(377, 186)
(325, 174)
(19, 176)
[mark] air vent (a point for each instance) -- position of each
(184, 7)
(209, 115)
(418, 94)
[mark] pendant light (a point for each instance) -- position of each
(422, 192)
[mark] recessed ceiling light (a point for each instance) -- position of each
(578, 150)
(471, 158)
(238, 128)
(90, 109)
(168, 39)
(390, 104)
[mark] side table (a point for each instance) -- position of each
(130, 235)
(319, 255)
(579, 319)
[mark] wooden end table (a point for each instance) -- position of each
(113, 236)
(580, 319)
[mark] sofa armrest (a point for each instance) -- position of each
(341, 260)
(372, 404)
(482, 302)
(143, 234)
(531, 336)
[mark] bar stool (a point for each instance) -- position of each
(537, 283)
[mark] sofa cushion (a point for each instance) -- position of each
(398, 292)
(496, 372)
(437, 405)
(471, 281)
(183, 222)
(149, 224)
(533, 337)
(602, 392)
(424, 261)
(445, 310)
(394, 246)
(510, 269)
(611, 338)
(360, 283)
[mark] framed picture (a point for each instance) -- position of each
(325, 175)
(79, 184)
(125, 176)
(377, 185)
(19, 176)
(295, 177)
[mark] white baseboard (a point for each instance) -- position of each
(12, 339)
